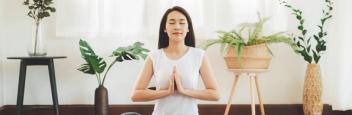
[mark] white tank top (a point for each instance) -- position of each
(187, 68)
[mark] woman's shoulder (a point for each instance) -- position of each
(197, 50)
(198, 55)
(155, 53)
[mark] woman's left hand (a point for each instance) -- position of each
(179, 86)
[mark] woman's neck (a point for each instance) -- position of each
(176, 48)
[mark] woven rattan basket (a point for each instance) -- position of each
(251, 57)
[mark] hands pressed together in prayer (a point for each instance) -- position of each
(175, 83)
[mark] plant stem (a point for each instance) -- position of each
(112, 63)
(98, 78)
(36, 37)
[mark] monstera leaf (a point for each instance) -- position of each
(86, 68)
(95, 64)
(133, 52)
(138, 50)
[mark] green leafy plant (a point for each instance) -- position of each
(96, 65)
(39, 9)
(237, 38)
(311, 52)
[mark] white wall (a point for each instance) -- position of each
(1, 53)
(339, 72)
(282, 85)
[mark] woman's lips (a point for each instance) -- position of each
(177, 33)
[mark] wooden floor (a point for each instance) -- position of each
(204, 109)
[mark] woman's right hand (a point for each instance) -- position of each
(171, 88)
(172, 85)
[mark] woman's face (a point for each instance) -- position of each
(176, 26)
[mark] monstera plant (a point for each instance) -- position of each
(96, 65)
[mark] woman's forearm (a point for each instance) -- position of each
(207, 94)
(148, 95)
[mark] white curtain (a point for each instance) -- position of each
(338, 62)
(119, 18)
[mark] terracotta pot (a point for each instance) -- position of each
(251, 57)
(312, 104)
(101, 101)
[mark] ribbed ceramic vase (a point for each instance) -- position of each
(312, 104)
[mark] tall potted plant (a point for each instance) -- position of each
(96, 65)
(38, 10)
(246, 48)
(311, 53)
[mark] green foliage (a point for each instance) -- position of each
(311, 52)
(39, 9)
(254, 36)
(131, 52)
(96, 65)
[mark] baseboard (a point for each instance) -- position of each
(2, 110)
(204, 109)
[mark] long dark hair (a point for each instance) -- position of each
(164, 38)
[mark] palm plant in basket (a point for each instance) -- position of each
(96, 65)
(246, 48)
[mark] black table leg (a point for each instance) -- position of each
(21, 84)
(53, 86)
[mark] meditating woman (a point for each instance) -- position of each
(176, 66)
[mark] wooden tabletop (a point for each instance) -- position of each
(249, 70)
(37, 57)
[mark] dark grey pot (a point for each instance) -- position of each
(101, 101)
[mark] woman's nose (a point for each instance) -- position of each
(177, 26)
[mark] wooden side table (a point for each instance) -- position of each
(36, 60)
(253, 74)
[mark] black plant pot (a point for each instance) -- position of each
(101, 101)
